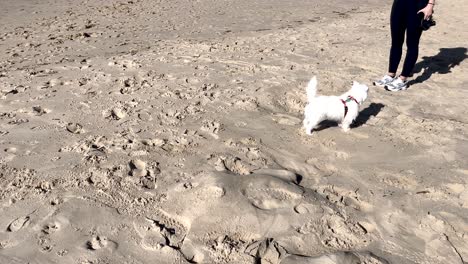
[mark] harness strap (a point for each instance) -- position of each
(348, 100)
(352, 98)
(345, 107)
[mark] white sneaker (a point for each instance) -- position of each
(387, 79)
(397, 85)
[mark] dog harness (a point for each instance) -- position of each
(349, 99)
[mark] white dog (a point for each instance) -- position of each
(343, 109)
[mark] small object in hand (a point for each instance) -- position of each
(427, 23)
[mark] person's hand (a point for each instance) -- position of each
(427, 11)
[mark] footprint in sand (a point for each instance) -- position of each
(247, 104)
(138, 168)
(343, 197)
(266, 251)
(322, 167)
(129, 85)
(151, 237)
(18, 224)
(341, 234)
(285, 175)
(336, 258)
(100, 242)
(118, 113)
(288, 120)
(75, 128)
(39, 110)
(173, 228)
(307, 208)
(404, 180)
(210, 192)
(269, 192)
(46, 244)
(125, 64)
(212, 128)
(51, 228)
(234, 165)
(153, 241)
(97, 242)
(191, 253)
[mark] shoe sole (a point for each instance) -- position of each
(380, 85)
(395, 90)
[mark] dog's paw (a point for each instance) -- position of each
(345, 128)
(309, 132)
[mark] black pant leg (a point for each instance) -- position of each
(413, 35)
(397, 28)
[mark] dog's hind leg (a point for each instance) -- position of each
(307, 127)
(310, 125)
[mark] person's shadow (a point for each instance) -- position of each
(441, 63)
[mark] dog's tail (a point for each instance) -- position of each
(312, 88)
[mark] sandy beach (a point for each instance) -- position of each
(143, 131)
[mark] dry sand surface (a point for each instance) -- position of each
(149, 131)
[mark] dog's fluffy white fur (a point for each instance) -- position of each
(320, 108)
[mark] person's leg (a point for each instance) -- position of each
(413, 35)
(398, 23)
(397, 29)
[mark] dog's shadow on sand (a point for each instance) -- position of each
(441, 63)
(372, 110)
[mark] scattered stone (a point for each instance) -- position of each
(118, 113)
(153, 241)
(98, 179)
(156, 142)
(11, 150)
(149, 182)
(75, 128)
(54, 82)
(18, 121)
(139, 173)
(97, 242)
(138, 168)
(138, 164)
(44, 187)
(50, 228)
(366, 226)
(267, 251)
(144, 116)
(56, 201)
(301, 209)
(233, 164)
(20, 89)
(191, 253)
(39, 110)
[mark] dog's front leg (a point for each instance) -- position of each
(345, 125)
